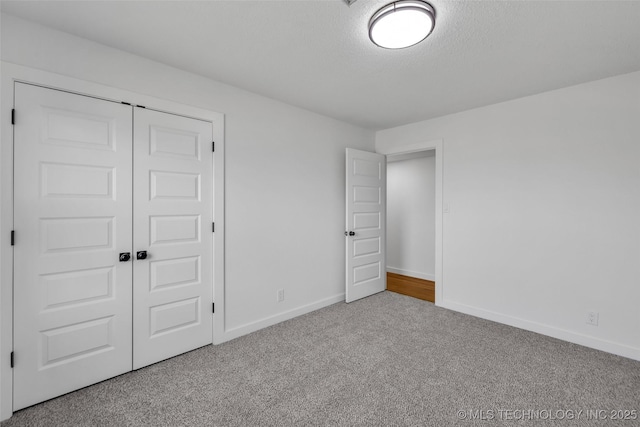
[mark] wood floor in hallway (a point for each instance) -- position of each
(412, 286)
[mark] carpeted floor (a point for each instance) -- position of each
(387, 360)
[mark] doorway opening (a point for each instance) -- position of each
(411, 224)
(434, 150)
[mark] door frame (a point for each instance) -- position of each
(437, 145)
(11, 73)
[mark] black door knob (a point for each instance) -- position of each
(141, 255)
(125, 256)
(352, 233)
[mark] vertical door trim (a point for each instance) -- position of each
(438, 146)
(11, 73)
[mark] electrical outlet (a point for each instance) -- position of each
(592, 318)
(280, 295)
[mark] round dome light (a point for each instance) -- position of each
(402, 24)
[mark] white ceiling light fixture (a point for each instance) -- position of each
(402, 24)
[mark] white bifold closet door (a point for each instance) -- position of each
(95, 180)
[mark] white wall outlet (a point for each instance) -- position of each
(592, 318)
(280, 295)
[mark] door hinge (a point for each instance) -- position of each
(213, 146)
(213, 227)
(11, 359)
(13, 237)
(141, 106)
(13, 116)
(213, 309)
(125, 103)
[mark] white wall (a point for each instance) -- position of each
(544, 221)
(284, 173)
(411, 216)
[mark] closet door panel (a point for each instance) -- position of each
(173, 210)
(73, 202)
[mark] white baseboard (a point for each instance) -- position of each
(540, 328)
(248, 328)
(410, 273)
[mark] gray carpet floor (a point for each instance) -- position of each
(386, 360)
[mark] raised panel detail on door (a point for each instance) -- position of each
(76, 287)
(78, 129)
(366, 273)
(366, 168)
(64, 180)
(174, 315)
(366, 220)
(73, 203)
(174, 272)
(81, 340)
(363, 247)
(176, 186)
(170, 142)
(363, 194)
(76, 234)
(173, 229)
(173, 207)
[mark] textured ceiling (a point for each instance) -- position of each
(317, 55)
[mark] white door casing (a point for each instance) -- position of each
(365, 234)
(72, 296)
(173, 214)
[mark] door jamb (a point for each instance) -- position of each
(437, 145)
(11, 73)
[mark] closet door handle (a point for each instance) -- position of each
(141, 255)
(125, 256)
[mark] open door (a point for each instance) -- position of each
(365, 235)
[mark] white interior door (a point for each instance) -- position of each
(366, 191)
(173, 211)
(72, 189)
